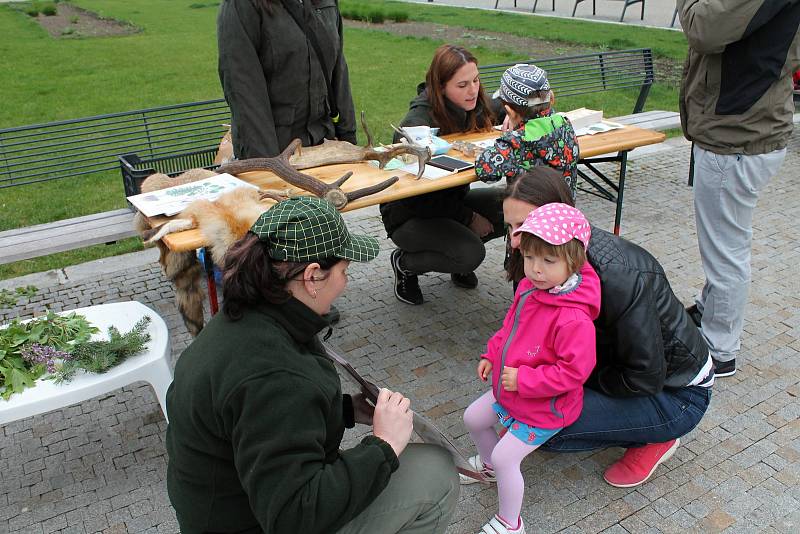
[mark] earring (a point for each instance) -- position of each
(314, 295)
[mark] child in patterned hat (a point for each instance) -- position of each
(539, 359)
(537, 136)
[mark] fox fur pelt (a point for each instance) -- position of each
(221, 223)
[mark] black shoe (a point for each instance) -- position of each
(465, 280)
(695, 314)
(333, 316)
(406, 284)
(724, 368)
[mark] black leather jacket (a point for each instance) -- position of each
(645, 339)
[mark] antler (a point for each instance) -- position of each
(282, 168)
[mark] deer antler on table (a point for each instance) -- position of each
(295, 158)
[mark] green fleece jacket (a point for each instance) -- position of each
(255, 424)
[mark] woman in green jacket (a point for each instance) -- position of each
(273, 80)
(444, 231)
(256, 411)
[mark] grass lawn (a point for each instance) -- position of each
(173, 60)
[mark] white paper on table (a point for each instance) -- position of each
(430, 172)
(600, 127)
(174, 199)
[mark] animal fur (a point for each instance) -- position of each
(221, 223)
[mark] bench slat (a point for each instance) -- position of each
(69, 234)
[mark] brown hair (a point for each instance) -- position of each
(250, 277)
(538, 186)
(446, 61)
(530, 112)
(571, 252)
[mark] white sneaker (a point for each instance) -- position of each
(477, 465)
(498, 526)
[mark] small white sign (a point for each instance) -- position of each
(174, 199)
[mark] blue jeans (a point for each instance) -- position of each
(631, 421)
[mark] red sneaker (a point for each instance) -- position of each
(637, 464)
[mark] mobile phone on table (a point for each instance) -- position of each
(450, 164)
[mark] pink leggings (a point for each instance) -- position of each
(504, 455)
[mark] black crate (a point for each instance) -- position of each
(135, 170)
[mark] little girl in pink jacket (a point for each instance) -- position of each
(539, 359)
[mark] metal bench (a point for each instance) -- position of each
(619, 70)
(168, 139)
(80, 147)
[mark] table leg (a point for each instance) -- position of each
(623, 166)
(208, 265)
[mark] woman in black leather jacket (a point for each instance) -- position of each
(653, 376)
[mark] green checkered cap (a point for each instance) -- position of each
(309, 229)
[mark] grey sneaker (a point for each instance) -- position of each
(406, 284)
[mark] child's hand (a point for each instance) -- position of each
(484, 369)
(509, 378)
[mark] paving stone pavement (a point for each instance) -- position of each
(100, 466)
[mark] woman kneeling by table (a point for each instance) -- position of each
(256, 411)
(445, 231)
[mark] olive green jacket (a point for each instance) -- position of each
(256, 419)
(736, 92)
(272, 79)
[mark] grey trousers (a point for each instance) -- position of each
(420, 498)
(726, 189)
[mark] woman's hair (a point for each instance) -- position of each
(446, 61)
(250, 277)
(537, 187)
(571, 252)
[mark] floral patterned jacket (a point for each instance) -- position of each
(546, 140)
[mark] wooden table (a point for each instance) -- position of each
(616, 141)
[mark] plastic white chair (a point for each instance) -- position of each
(151, 366)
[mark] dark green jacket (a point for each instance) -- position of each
(273, 81)
(447, 203)
(255, 424)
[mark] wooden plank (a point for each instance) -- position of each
(365, 174)
(53, 237)
(66, 227)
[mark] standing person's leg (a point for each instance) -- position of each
(420, 498)
(726, 190)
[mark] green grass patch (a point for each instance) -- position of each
(665, 43)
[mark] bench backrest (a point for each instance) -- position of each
(588, 73)
(77, 147)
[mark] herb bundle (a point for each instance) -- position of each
(61, 345)
(100, 356)
(21, 360)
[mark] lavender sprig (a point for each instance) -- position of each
(37, 354)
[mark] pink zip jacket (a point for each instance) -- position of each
(550, 338)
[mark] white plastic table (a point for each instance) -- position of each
(151, 366)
